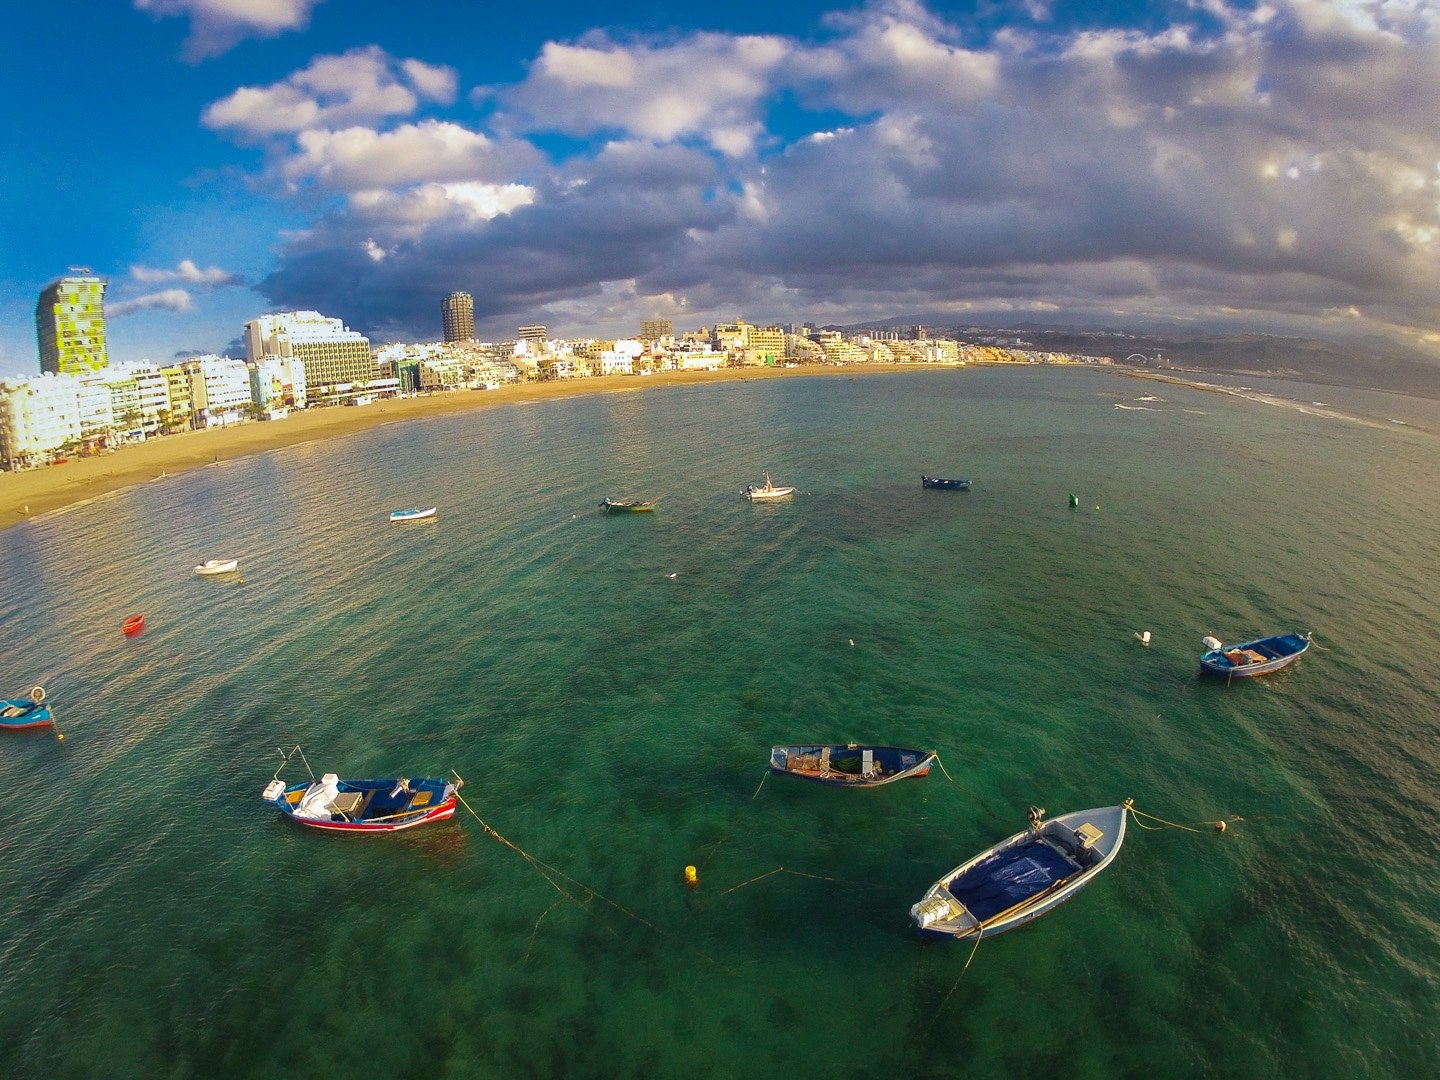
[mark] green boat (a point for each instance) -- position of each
(631, 506)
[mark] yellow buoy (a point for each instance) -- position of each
(691, 877)
(1219, 826)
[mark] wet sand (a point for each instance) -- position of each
(28, 494)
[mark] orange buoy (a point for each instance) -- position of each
(133, 625)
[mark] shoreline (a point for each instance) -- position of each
(34, 493)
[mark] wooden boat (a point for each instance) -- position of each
(850, 765)
(768, 490)
(23, 713)
(364, 806)
(631, 506)
(133, 625)
(212, 567)
(1258, 657)
(412, 515)
(1022, 878)
(948, 485)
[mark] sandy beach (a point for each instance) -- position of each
(31, 493)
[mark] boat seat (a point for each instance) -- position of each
(346, 802)
(12, 710)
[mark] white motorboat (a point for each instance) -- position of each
(211, 567)
(767, 490)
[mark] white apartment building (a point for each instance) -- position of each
(38, 416)
(278, 382)
(220, 389)
(333, 356)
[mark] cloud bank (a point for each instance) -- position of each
(1269, 167)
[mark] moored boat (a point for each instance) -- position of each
(767, 490)
(1022, 878)
(23, 713)
(133, 625)
(940, 482)
(413, 514)
(212, 567)
(371, 805)
(1258, 657)
(629, 506)
(851, 764)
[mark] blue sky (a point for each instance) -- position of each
(1194, 167)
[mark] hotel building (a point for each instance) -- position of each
(70, 325)
(458, 313)
(336, 359)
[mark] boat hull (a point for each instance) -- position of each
(24, 715)
(844, 765)
(635, 507)
(133, 625)
(365, 806)
(943, 484)
(1258, 657)
(215, 567)
(1021, 878)
(397, 516)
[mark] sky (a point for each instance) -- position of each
(1190, 167)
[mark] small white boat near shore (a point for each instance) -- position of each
(212, 567)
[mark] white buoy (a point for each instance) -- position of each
(669, 575)
(1143, 638)
(852, 642)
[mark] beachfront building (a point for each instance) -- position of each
(277, 384)
(457, 313)
(657, 331)
(219, 390)
(766, 345)
(38, 417)
(338, 363)
(70, 325)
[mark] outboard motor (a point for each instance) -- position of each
(1036, 814)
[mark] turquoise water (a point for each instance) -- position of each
(614, 722)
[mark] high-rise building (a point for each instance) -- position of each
(333, 356)
(70, 325)
(534, 333)
(656, 329)
(458, 313)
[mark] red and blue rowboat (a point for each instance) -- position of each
(22, 714)
(364, 806)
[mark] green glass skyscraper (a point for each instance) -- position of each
(70, 325)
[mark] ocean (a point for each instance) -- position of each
(609, 686)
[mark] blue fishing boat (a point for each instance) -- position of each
(1259, 657)
(362, 806)
(947, 485)
(1022, 878)
(24, 713)
(850, 765)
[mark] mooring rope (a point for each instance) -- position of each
(542, 867)
(802, 873)
(1217, 826)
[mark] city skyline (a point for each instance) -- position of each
(1198, 167)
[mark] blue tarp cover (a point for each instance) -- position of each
(1008, 878)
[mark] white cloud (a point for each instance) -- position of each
(358, 87)
(217, 25)
(186, 271)
(360, 158)
(708, 87)
(165, 300)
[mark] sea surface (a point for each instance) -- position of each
(609, 688)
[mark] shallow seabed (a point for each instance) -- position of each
(609, 688)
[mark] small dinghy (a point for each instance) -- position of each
(213, 567)
(133, 625)
(767, 490)
(631, 506)
(850, 765)
(380, 805)
(1022, 878)
(24, 713)
(412, 515)
(947, 485)
(1259, 657)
